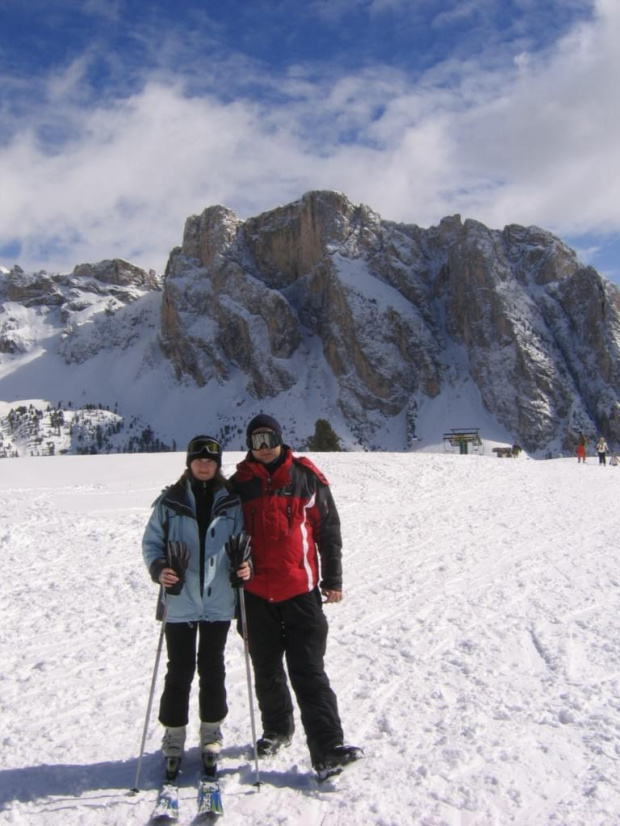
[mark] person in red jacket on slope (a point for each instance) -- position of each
(291, 517)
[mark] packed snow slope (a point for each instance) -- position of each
(476, 655)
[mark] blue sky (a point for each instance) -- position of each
(120, 119)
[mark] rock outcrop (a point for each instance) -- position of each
(389, 305)
(88, 303)
(321, 305)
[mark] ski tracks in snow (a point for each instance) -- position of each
(476, 655)
(486, 631)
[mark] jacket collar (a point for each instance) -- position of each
(249, 467)
(180, 498)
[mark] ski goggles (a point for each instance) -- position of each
(204, 448)
(265, 438)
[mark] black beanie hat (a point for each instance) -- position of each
(204, 447)
(263, 420)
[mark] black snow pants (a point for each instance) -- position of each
(181, 646)
(295, 629)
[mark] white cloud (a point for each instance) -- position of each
(549, 138)
(535, 143)
(458, 12)
(108, 9)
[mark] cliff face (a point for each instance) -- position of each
(324, 307)
(397, 313)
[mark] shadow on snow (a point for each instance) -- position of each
(32, 783)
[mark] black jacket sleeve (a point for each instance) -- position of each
(156, 567)
(329, 540)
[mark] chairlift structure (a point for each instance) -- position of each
(463, 439)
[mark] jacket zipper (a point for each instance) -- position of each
(289, 514)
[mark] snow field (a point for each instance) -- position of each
(476, 656)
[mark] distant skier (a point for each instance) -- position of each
(601, 449)
(296, 547)
(183, 548)
(581, 449)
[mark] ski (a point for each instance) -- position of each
(209, 797)
(167, 807)
(209, 794)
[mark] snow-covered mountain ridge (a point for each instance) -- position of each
(39, 306)
(321, 308)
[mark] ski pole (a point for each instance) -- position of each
(244, 630)
(135, 788)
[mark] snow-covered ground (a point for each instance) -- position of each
(476, 655)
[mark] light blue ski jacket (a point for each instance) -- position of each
(174, 518)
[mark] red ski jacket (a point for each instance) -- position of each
(290, 516)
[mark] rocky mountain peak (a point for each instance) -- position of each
(380, 307)
(40, 303)
(323, 309)
(119, 273)
(208, 235)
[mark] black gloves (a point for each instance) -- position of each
(238, 550)
(178, 560)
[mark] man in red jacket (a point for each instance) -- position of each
(291, 517)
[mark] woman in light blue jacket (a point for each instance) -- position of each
(183, 548)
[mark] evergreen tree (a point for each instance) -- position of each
(324, 439)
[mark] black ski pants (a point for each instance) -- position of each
(295, 630)
(181, 639)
